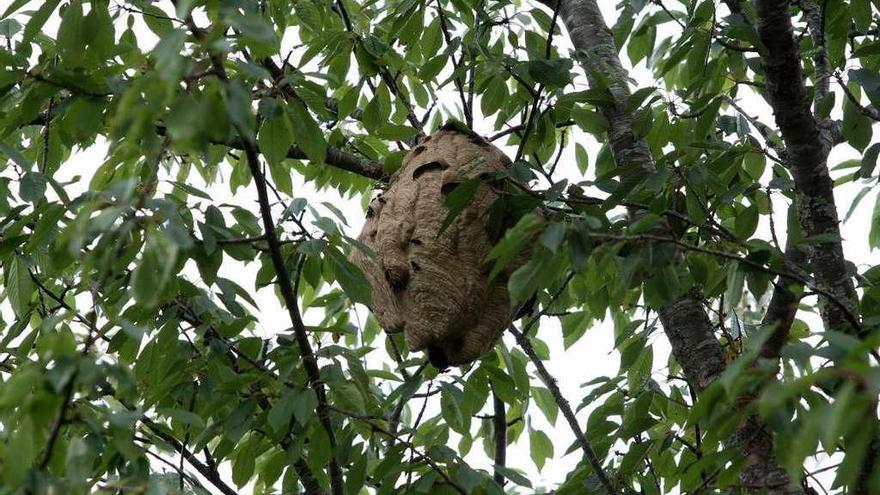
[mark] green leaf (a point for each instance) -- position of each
(183, 416)
(494, 96)
(275, 139)
(514, 476)
(347, 396)
(70, 35)
(451, 410)
(581, 158)
(540, 447)
(523, 282)
(351, 279)
(347, 103)
(153, 271)
(856, 126)
(589, 120)
(281, 413)
(546, 403)
(245, 462)
(20, 451)
(18, 283)
(637, 418)
(169, 61)
(870, 82)
(305, 405)
(15, 5)
(32, 187)
(307, 134)
(640, 372)
(157, 20)
(552, 73)
(553, 236)
(35, 24)
(16, 156)
(188, 189)
(746, 222)
(432, 67)
(373, 115)
(394, 132)
(874, 233)
(869, 160)
(320, 450)
(837, 25)
(861, 13)
(458, 199)
(9, 27)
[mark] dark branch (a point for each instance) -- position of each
(499, 427)
(807, 154)
(567, 412)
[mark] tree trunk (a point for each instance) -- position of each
(806, 158)
(687, 326)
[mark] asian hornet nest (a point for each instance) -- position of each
(434, 286)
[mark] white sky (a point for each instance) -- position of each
(593, 356)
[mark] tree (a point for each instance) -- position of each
(132, 360)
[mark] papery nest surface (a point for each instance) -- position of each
(434, 286)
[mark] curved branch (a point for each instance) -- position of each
(807, 154)
(564, 406)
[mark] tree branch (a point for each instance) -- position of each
(499, 427)
(210, 474)
(564, 406)
(807, 155)
(815, 17)
(590, 35)
(285, 286)
(375, 426)
(783, 306)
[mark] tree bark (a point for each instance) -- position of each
(807, 160)
(783, 307)
(590, 35)
(685, 322)
(762, 471)
(693, 343)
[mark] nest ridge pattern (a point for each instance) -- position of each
(435, 286)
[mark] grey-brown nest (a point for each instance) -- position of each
(435, 286)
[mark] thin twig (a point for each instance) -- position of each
(211, 475)
(733, 256)
(564, 406)
(373, 423)
(285, 285)
(499, 426)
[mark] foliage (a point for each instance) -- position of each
(132, 360)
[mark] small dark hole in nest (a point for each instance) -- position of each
(486, 269)
(397, 278)
(417, 242)
(446, 189)
(371, 212)
(429, 167)
(437, 357)
(415, 266)
(417, 150)
(478, 140)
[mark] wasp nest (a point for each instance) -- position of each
(435, 286)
